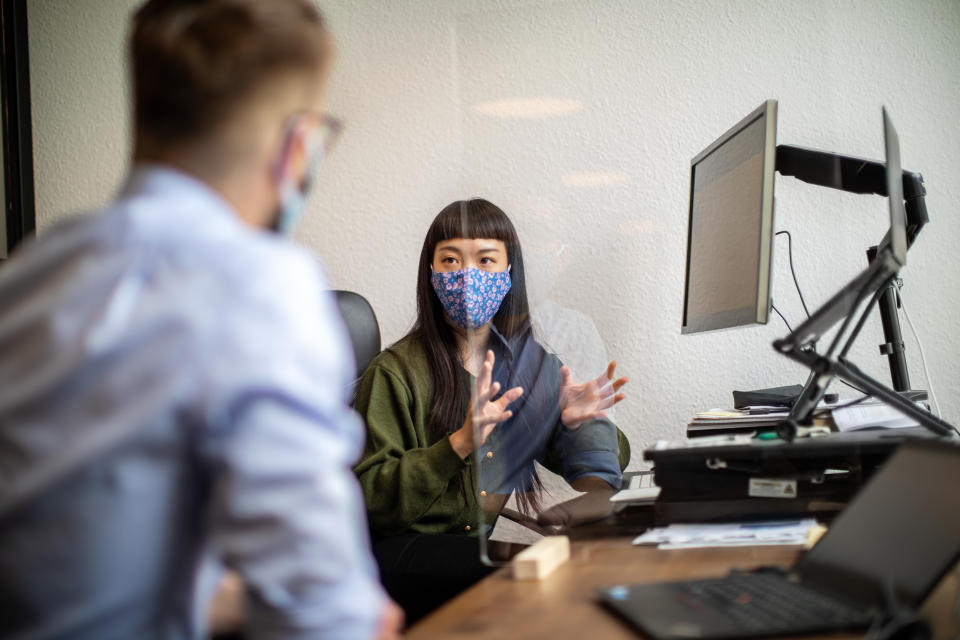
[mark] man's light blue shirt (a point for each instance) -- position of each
(173, 387)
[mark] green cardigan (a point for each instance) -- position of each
(411, 481)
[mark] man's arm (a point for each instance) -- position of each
(287, 517)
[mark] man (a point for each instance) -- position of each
(172, 374)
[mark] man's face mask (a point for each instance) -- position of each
(471, 297)
(294, 189)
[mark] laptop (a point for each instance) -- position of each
(890, 547)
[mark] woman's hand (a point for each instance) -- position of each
(580, 402)
(484, 413)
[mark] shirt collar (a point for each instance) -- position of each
(158, 180)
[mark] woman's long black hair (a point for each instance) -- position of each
(475, 218)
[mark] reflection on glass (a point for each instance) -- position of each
(529, 108)
(593, 179)
(566, 332)
(547, 418)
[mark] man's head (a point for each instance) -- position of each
(230, 91)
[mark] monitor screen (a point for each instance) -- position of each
(730, 228)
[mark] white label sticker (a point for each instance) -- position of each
(770, 488)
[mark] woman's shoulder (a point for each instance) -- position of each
(409, 347)
(405, 355)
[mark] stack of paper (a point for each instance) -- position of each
(732, 420)
(871, 414)
(734, 534)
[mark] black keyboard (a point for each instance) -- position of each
(764, 601)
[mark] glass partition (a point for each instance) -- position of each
(547, 453)
(578, 121)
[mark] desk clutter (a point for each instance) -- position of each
(762, 420)
(752, 412)
(855, 577)
(740, 477)
(760, 412)
(802, 532)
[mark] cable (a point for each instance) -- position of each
(796, 283)
(827, 410)
(803, 302)
(792, 271)
(789, 328)
(923, 360)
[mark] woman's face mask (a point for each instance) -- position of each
(471, 297)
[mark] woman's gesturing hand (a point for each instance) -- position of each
(484, 412)
(580, 402)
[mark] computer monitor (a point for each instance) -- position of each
(730, 226)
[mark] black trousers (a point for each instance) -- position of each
(421, 571)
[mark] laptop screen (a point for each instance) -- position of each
(901, 531)
(898, 215)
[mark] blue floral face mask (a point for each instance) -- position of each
(471, 297)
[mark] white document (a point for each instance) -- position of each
(734, 534)
(870, 415)
(644, 494)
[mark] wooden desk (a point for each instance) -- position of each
(563, 605)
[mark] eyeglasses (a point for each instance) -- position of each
(326, 129)
(329, 129)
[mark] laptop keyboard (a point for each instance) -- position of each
(760, 601)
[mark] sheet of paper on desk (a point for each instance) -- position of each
(744, 439)
(733, 534)
(643, 494)
(871, 415)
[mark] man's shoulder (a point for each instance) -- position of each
(275, 268)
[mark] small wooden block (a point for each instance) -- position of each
(813, 536)
(542, 558)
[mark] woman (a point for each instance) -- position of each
(425, 398)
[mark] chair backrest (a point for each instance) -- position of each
(361, 322)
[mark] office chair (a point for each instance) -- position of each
(362, 325)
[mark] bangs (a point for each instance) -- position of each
(471, 219)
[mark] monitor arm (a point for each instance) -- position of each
(856, 175)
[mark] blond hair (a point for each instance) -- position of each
(195, 63)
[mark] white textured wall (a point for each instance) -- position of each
(657, 82)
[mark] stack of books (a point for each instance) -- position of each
(726, 421)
